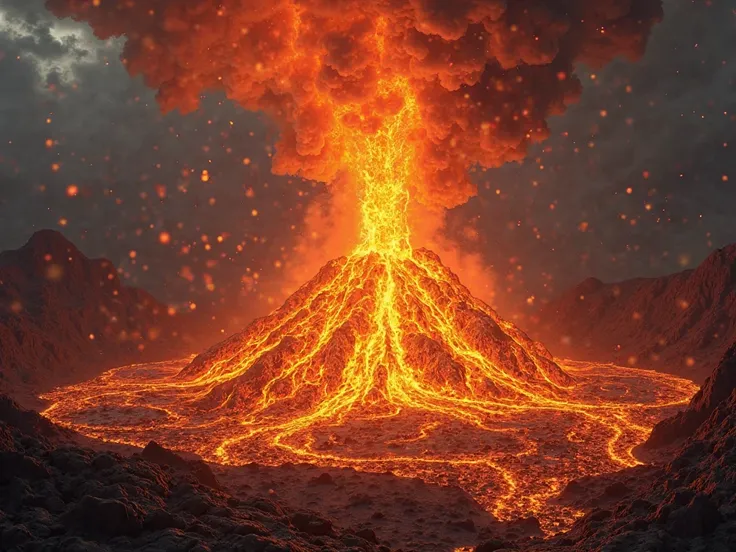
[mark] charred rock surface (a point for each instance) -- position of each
(715, 391)
(689, 503)
(682, 323)
(62, 497)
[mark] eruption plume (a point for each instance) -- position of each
(384, 348)
(484, 75)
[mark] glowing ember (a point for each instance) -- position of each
(384, 361)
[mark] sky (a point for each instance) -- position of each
(637, 179)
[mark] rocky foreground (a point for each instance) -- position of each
(685, 504)
(55, 496)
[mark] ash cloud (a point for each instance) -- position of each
(70, 115)
(487, 73)
(99, 112)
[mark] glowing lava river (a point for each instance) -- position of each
(388, 365)
(385, 361)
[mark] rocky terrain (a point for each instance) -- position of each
(685, 504)
(715, 391)
(58, 496)
(405, 513)
(60, 491)
(681, 324)
(64, 316)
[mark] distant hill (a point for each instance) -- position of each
(681, 324)
(63, 316)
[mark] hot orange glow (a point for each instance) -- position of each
(384, 361)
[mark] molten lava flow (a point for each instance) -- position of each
(384, 361)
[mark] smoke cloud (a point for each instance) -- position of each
(486, 73)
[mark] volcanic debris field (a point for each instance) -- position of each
(389, 364)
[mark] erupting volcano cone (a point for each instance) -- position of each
(376, 334)
(384, 361)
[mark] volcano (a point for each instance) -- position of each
(379, 334)
(385, 362)
(388, 363)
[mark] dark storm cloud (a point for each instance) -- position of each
(138, 174)
(663, 138)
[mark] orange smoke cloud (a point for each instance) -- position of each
(486, 73)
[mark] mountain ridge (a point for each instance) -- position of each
(681, 323)
(63, 315)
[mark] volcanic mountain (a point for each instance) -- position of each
(386, 362)
(377, 333)
(61, 312)
(682, 323)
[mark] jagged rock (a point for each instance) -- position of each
(616, 490)
(681, 323)
(104, 516)
(159, 455)
(27, 421)
(68, 460)
(158, 520)
(85, 501)
(322, 479)
(465, 524)
(104, 461)
(699, 517)
(715, 390)
(367, 534)
(196, 505)
(15, 537)
(492, 545)
(311, 524)
(16, 464)
(527, 527)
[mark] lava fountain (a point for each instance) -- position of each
(385, 361)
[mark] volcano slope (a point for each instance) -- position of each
(388, 363)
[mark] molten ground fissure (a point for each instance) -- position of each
(384, 361)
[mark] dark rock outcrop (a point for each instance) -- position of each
(164, 457)
(682, 323)
(687, 504)
(69, 498)
(716, 389)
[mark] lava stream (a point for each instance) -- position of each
(385, 361)
(382, 363)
